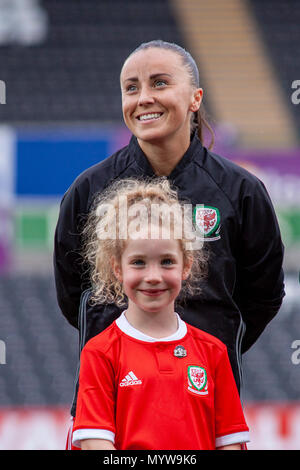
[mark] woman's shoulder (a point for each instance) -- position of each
(109, 166)
(226, 171)
(231, 178)
(96, 177)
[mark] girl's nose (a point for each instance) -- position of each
(153, 275)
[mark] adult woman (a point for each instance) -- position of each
(161, 100)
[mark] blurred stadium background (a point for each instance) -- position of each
(60, 112)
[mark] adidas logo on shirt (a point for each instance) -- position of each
(130, 379)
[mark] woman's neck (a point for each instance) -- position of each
(164, 158)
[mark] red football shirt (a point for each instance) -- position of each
(141, 393)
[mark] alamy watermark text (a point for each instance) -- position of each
(296, 354)
(157, 221)
(2, 92)
(295, 97)
(2, 352)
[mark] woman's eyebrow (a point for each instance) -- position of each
(155, 75)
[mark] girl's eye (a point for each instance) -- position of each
(138, 262)
(167, 262)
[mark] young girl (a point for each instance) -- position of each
(150, 380)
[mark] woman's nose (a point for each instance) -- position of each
(146, 96)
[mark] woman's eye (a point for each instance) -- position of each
(131, 88)
(160, 83)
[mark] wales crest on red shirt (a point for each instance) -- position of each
(197, 380)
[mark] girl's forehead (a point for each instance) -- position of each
(151, 245)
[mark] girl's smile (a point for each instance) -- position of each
(153, 292)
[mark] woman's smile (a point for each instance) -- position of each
(149, 117)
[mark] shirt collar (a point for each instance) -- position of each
(124, 325)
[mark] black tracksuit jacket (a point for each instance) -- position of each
(244, 287)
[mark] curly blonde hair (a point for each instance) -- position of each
(104, 238)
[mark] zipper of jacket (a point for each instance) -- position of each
(82, 330)
(82, 319)
(239, 339)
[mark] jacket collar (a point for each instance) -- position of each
(143, 163)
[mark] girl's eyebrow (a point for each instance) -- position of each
(136, 255)
(140, 255)
(155, 75)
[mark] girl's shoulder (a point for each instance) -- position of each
(104, 341)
